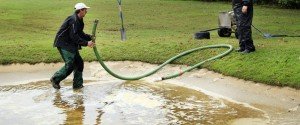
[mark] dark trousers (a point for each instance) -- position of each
(244, 22)
(73, 63)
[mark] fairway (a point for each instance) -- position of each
(156, 30)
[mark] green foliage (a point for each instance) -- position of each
(289, 3)
(156, 31)
(294, 4)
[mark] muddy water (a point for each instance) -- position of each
(135, 102)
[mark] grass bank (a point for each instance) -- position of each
(156, 31)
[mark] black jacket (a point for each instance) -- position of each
(242, 2)
(70, 36)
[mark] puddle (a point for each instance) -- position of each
(134, 102)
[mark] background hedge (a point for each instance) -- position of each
(291, 4)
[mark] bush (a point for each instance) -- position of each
(292, 4)
(289, 3)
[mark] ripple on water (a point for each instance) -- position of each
(134, 102)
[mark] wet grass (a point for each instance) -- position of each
(156, 30)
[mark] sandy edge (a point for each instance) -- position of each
(277, 102)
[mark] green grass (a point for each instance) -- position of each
(156, 30)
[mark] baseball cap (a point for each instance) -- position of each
(79, 6)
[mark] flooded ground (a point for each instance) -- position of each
(198, 97)
(128, 103)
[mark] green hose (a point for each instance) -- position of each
(230, 48)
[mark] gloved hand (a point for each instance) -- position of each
(90, 36)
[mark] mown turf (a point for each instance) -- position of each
(156, 30)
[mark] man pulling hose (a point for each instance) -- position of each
(68, 41)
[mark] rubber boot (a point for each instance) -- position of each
(77, 80)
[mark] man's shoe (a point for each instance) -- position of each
(240, 50)
(78, 87)
(246, 51)
(55, 85)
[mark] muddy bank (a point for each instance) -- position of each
(276, 105)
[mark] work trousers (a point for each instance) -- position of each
(244, 22)
(73, 63)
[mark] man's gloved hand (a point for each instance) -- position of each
(90, 36)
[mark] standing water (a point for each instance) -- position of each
(116, 103)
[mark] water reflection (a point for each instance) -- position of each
(132, 102)
(74, 110)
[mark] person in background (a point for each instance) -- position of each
(69, 40)
(243, 10)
